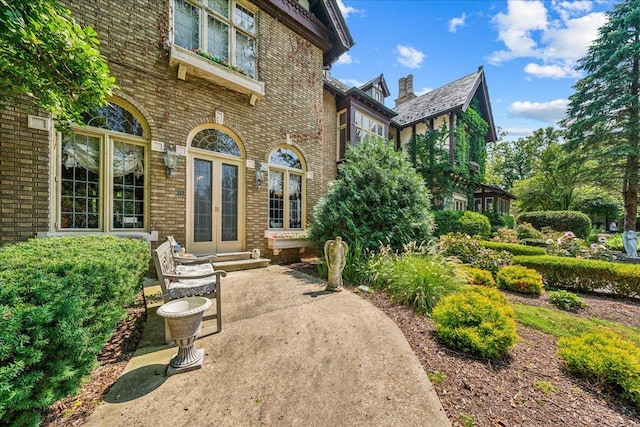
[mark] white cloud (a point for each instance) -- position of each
(345, 58)
(554, 71)
(454, 23)
(528, 31)
(549, 112)
(409, 56)
(423, 91)
(352, 82)
(518, 132)
(347, 10)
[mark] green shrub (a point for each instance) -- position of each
(496, 219)
(574, 221)
(378, 197)
(520, 279)
(505, 235)
(566, 300)
(539, 243)
(417, 278)
(446, 222)
(60, 300)
(526, 231)
(480, 277)
(469, 250)
(477, 320)
(614, 242)
(585, 275)
(512, 248)
(474, 224)
(606, 358)
(509, 221)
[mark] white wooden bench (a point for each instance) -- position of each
(184, 280)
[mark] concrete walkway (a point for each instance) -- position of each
(289, 354)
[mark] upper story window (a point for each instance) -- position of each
(102, 183)
(286, 188)
(224, 29)
(367, 127)
(342, 133)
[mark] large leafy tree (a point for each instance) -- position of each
(604, 112)
(50, 59)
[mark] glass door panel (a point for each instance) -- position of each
(229, 203)
(202, 201)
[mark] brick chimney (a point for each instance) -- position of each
(405, 90)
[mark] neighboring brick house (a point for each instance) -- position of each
(462, 155)
(248, 129)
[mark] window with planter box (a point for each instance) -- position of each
(216, 40)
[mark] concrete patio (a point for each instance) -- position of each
(289, 354)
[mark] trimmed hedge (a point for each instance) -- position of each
(477, 320)
(60, 300)
(574, 221)
(585, 275)
(474, 224)
(513, 248)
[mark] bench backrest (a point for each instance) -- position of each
(165, 264)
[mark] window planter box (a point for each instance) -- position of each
(196, 65)
(277, 244)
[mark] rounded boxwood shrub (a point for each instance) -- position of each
(474, 224)
(479, 277)
(378, 197)
(604, 357)
(520, 279)
(477, 320)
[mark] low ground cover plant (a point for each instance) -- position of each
(605, 358)
(60, 300)
(585, 275)
(520, 279)
(566, 300)
(477, 320)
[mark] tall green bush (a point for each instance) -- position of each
(60, 300)
(378, 197)
(475, 224)
(574, 221)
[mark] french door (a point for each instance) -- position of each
(215, 205)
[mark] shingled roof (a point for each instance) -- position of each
(451, 97)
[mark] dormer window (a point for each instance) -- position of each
(377, 95)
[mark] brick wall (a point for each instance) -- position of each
(134, 39)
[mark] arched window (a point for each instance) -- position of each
(102, 180)
(286, 189)
(217, 141)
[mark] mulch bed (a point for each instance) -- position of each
(530, 388)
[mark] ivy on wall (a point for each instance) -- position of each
(430, 155)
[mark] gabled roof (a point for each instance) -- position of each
(375, 82)
(455, 96)
(343, 91)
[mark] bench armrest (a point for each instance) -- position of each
(221, 273)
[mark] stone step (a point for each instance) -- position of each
(241, 264)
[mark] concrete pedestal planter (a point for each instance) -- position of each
(184, 318)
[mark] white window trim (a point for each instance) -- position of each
(339, 128)
(367, 132)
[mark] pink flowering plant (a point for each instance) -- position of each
(568, 245)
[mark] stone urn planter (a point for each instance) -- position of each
(184, 318)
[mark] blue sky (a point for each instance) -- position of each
(528, 49)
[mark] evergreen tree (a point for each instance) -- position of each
(604, 112)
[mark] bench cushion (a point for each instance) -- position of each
(190, 287)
